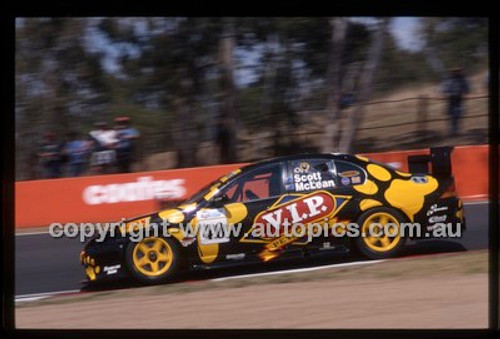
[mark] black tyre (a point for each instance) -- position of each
(153, 259)
(384, 241)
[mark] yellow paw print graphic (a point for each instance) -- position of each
(408, 195)
(91, 269)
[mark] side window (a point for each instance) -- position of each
(258, 184)
(349, 174)
(311, 174)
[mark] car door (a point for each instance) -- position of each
(244, 198)
(327, 182)
(312, 179)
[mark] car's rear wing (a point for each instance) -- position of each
(439, 159)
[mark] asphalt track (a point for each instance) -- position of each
(44, 264)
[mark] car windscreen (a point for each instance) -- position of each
(206, 189)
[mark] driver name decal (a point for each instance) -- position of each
(306, 178)
(312, 181)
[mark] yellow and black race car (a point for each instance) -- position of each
(263, 212)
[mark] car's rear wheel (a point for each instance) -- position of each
(380, 230)
(153, 259)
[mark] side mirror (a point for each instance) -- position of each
(220, 201)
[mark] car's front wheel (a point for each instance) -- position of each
(381, 235)
(153, 260)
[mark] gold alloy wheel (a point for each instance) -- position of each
(152, 256)
(386, 241)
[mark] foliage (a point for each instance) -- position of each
(167, 73)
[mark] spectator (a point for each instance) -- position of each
(346, 100)
(127, 135)
(95, 135)
(104, 136)
(454, 88)
(104, 155)
(50, 156)
(77, 151)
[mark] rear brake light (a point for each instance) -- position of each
(450, 191)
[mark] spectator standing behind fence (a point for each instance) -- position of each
(103, 153)
(127, 136)
(455, 88)
(50, 156)
(346, 100)
(77, 151)
(104, 135)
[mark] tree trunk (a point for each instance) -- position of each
(229, 112)
(338, 34)
(270, 74)
(183, 135)
(282, 116)
(270, 86)
(365, 85)
(351, 76)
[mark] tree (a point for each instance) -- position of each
(59, 83)
(339, 29)
(229, 111)
(175, 56)
(429, 50)
(366, 84)
(455, 42)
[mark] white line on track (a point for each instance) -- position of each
(23, 300)
(299, 270)
(38, 296)
(31, 233)
(476, 202)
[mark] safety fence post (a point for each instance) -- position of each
(422, 107)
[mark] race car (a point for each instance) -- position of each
(240, 218)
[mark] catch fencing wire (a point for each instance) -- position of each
(417, 112)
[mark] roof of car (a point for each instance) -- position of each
(338, 156)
